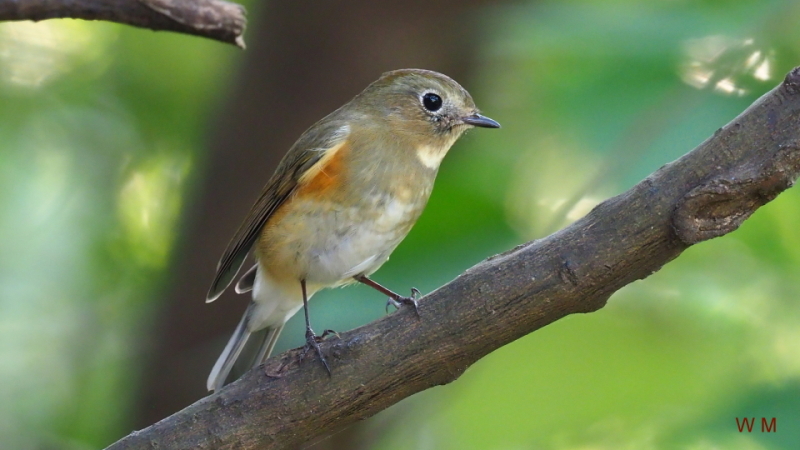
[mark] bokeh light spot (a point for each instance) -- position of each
(34, 54)
(725, 64)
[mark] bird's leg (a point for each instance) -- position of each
(312, 340)
(395, 299)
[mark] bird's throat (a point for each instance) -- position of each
(431, 155)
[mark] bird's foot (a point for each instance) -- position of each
(312, 341)
(399, 301)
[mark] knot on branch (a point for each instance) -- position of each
(721, 204)
(792, 81)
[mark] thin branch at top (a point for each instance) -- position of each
(214, 19)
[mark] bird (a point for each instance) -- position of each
(340, 201)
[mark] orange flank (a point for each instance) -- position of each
(282, 240)
(325, 176)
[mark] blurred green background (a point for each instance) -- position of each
(118, 150)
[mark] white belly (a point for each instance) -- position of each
(336, 246)
(326, 246)
(358, 243)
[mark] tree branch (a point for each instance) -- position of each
(704, 194)
(214, 19)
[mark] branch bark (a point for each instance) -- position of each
(214, 19)
(705, 194)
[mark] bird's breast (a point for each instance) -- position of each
(328, 240)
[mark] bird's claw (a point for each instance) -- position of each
(325, 334)
(312, 341)
(400, 301)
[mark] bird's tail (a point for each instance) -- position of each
(222, 368)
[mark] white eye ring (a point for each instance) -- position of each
(431, 101)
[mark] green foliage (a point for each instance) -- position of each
(100, 125)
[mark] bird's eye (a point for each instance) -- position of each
(432, 102)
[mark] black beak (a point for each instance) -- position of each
(478, 120)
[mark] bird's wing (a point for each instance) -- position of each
(321, 138)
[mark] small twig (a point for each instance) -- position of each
(214, 19)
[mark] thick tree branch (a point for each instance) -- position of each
(705, 194)
(214, 19)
